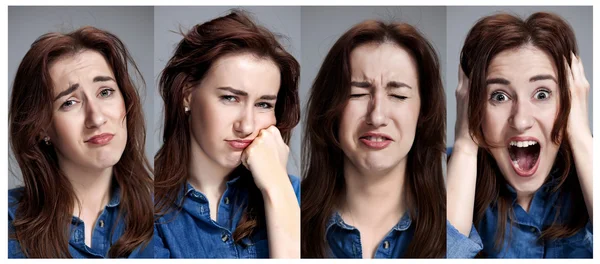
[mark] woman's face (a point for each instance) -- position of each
(522, 105)
(89, 128)
(378, 124)
(234, 101)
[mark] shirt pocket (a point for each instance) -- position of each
(579, 245)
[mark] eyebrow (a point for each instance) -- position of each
(245, 94)
(542, 77)
(75, 86)
(391, 84)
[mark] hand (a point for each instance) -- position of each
(266, 157)
(462, 136)
(578, 126)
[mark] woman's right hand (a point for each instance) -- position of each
(462, 165)
(462, 137)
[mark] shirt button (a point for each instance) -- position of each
(533, 230)
(226, 200)
(225, 237)
(101, 223)
(386, 244)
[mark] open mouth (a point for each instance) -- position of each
(524, 156)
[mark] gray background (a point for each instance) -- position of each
(280, 20)
(322, 26)
(461, 19)
(133, 25)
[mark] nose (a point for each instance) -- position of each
(244, 125)
(377, 111)
(521, 118)
(94, 117)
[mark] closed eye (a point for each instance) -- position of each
(358, 95)
(401, 97)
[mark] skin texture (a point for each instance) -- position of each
(522, 107)
(378, 104)
(94, 108)
(220, 112)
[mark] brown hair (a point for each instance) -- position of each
(44, 212)
(490, 36)
(322, 156)
(202, 46)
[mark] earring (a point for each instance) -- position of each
(186, 109)
(47, 140)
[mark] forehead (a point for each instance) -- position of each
(388, 59)
(77, 68)
(244, 70)
(521, 63)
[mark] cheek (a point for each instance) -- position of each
(494, 121)
(349, 119)
(64, 133)
(265, 120)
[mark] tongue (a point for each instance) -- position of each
(525, 158)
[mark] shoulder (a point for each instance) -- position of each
(14, 196)
(296, 184)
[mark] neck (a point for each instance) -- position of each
(205, 175)
(524, 199)
(91, 186)
(374, 195)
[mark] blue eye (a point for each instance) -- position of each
(499, 97)
(542, 95)
(264, 105)
(68, 104)
(107, 92)
(229, 98)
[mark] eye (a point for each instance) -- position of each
(400, 97)
(229, 98)
(358, 95)
(264, 105)
(542, 95)
(499, 97)
(67, 104)
(107, 92)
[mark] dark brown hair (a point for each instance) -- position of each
(200, 48)
(490, 36)
(322, 157)
(44, 212)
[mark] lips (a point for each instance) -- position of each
(239, 144)
(101, 139)
(376, 140)
(524, 155)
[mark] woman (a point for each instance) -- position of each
(77, 131)
(372, 158)
(520, 176)
(221, 187)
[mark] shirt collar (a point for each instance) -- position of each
(115, 199)
(336, 219)
(189, 190)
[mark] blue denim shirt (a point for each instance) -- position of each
(522, 240)
(190, 232)
(101, 234)
(344, 239)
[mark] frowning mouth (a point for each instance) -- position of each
(101, 139)
(376, 140)
(524, 154)
(239, 144)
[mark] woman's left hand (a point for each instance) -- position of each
(578, 125)
(266, 157)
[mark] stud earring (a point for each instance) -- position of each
(47, 140)
(186, 109)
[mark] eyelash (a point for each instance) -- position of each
(110, 90)
(496, 93)
(545, 91)
(399, 97)
(234, 99)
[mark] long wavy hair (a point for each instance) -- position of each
(44, 212)
(490, 36)
(322, 157)
(199, 49)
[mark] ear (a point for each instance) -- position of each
(188, 87)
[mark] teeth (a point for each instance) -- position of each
(375, 139)
(522, 144)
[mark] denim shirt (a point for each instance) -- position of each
(344, 239)
(189, 232)
(101, 234)
(522, 240)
